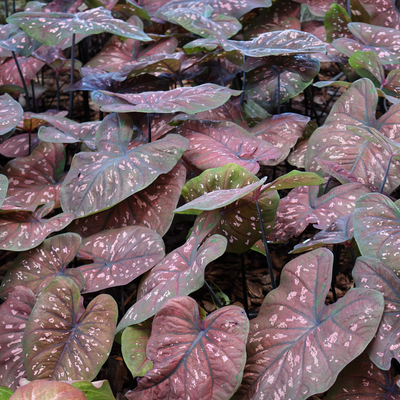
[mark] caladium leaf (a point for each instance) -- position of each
(384, 13)
(193, 19)
(190, 100)
(298, 156)
(336, 20)
(372, 274)
(339, 231)
(29, 68)
(119, 256)
(23, 230)
(291, 75)
(65, 130)
(36, 179)
(282, 131)
(97, 390)
(377, 229)
(235, 212)
(18, 146)
(302, 206)
(36, 268)
(48, 390)
(14, 40)
(180, 273)
(337, 171)
(383, 41)
(224, 7)
(11, 113)
(296, 344)
(151, 207)
(357, 106)
(3, 188)
(362, 379)
(14, 314)
(88, 188)
(57, 332)
(225, 142)
(51, 28)
(320, 7)
(133, 346)
(212, 352)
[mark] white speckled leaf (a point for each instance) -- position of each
(297, 346)
(3, 188)
(214, 144)
(228, 195)
(151, 207)
(180, 273)
(65, 130)
(377, 229)
(119, 256)
(302, 207)
(62, 344)
(190, 100)
(282, 131)
(372, 274)
(52, 28)
(194, 358)
(12, 39)
(383, 41)
(383, 12)
(234, 8)
(365, 160)
(36, 179)
(29, 67)
(11, 113)
(14, 314)
(18, 145)
(98, 180)
(298, 155)
(23, 230)
(36, 268)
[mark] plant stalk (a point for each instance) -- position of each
(386, 174)
(148, 128)
(28, 102)
(243, 84)
(58, 92)
(71, 93)
(264, 237)
(213, 295)
(221, 78)
(278, 107)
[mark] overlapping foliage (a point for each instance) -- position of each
(193, 94)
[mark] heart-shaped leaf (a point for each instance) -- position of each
(119, 256)
(383, 12)
(357, 106)
(36, 179)
(383, 41)
(36, 268)
(228, 195)
(48, 390)
(361, 379)
(89, 188)
(56, 333)
(14, 40)
(180, 273)
(224, 7)
(3, 188)
(51, 28)
(11, 113)
(302, 206)
(29, 68)
(151, 207)
(190, 100)
(65, 130)
(297, 345)
(198, 20)
(23, 230)
(282, 131)
(339, 231)
(288, 75)
(225, 142)
(372, 274)
(320, 7)
(14, 314)
(133, 346)
(336, 20)
(212, 352)
(377, 229)
(18, 146)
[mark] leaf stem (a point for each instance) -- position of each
(33, 97)
(278, 107)
(71, 93)
(28, 102)
(221, 79)
(243, 84)
(148, 128)
(386, 174)
(244, 284)
(337, 251)
(213, 295)
(58, 92)
(268, 256)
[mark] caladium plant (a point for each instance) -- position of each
(174, 160)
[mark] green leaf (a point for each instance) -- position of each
(5, 393)
(3, 188)
(99, 390)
